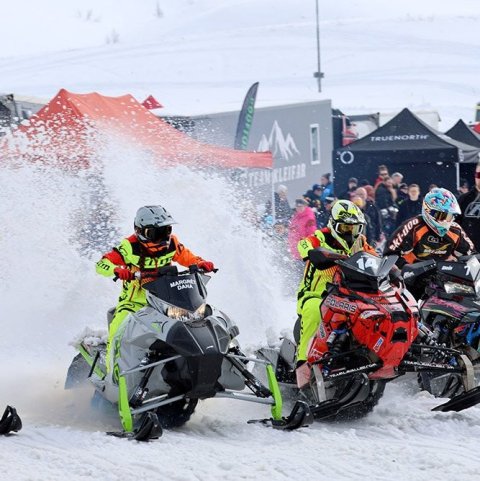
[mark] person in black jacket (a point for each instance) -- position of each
(470, 206)
(352, 187)
(370, 209)
(410, 207)
(313, 196)
(385, 200)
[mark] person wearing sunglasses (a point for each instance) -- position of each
(343, 235)
(433, 234)
(470, 205)
(151, 246)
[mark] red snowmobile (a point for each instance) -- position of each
(369, 336)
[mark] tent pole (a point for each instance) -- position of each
(457, 165)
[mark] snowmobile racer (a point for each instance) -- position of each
(433, 234)
(151, 246)
(424, 243)
(450, 307)
(344, 236)
(171, 353)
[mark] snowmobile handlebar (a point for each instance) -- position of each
(323, 258)
(168, 271)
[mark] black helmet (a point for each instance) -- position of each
(153, 225)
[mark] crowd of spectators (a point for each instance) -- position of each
(386, 202)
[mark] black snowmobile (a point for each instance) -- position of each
(449, 295)
(171, 353)
(10, 421)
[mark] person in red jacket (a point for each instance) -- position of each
(151, 246)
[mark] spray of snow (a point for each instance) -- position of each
(51, 291)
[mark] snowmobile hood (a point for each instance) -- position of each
(186, 291)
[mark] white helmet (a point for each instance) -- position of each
(346, 223)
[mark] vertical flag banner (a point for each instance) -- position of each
(245, 119)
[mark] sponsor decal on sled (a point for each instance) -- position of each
(339, 304)
(183, 284)
(378, 344)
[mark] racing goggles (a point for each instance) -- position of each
(349, 229)
(156, 234)
(440, 216)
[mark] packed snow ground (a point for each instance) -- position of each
(201, 56)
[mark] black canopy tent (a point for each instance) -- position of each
(463, 133)
(407, 145)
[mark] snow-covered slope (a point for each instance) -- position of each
(201, 55)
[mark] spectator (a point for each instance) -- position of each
(410, 207)
(402, 193)
(385, 200)
(370, 192)
(279, 238)
(313, 197)
(373, 213)
(283, 211)
(352, 187)
(324, 213)
(327, 187)
(397, 179)
(363, 183)
(382, 175)
(360, 203)
(470, 206)
(302, 224)
(463, 188)
(432, 186)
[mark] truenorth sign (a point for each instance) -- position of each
(387, 138)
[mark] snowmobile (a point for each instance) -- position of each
(172, 353)
(450, 307)
(10, 421)
(369, 336)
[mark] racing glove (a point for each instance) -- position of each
(207, 266)
(124, 273)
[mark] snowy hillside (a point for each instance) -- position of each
(202, 55)
(199, 56)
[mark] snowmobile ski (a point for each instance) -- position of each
(10, 421)
(300, 416)
(463, 401)
(149, 429)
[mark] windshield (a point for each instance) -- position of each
(467, 269)
(186, 291)
(368, 264)
(366, 272)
